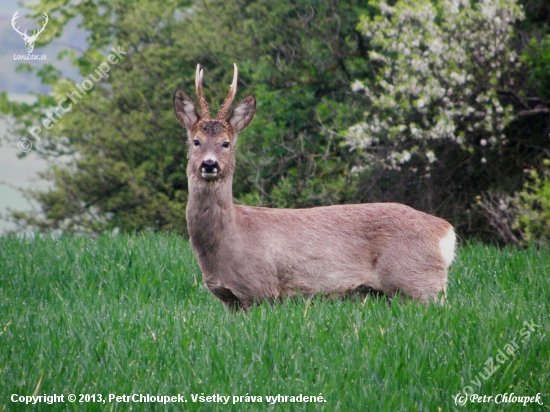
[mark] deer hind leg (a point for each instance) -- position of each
(435, 288)
(425, 284)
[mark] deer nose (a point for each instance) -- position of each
(209, 166)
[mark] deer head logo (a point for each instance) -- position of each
(29, 40)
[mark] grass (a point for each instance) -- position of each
(129, 314)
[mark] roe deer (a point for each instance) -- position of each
(254, 253)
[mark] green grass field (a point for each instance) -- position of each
(127, 315)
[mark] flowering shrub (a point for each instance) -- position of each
(439, 69)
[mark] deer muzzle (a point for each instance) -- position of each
(210, 169)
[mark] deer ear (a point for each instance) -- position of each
(242, 114)
(185, 109)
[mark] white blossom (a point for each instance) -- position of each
(436, 79)
(357, 86)
(358, 169)
(405, 157)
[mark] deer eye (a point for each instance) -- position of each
(196, 142)
(225, 144)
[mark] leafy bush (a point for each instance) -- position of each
(537, 56)
(126, 149)
(435, 91)
(439, 70)
(533, 205)
(436, 116)
(524, 217)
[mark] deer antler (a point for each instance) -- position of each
(37, 32)
(205, 112)
(222, 114)
(13, 19)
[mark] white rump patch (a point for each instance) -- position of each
(447, 247)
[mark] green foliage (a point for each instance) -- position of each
(121, 164)
(129, 314)
(438, 72)
(128, 151)
(521, 218)
(537, 56)
(435, 127)
(536, 17)
(533, 207)
(442, 108)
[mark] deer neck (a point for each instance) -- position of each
(210, 212)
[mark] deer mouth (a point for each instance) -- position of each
(209, 175)
(209, 169)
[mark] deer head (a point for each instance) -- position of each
(212, 141)
(29, 40)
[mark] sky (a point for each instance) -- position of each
(14, 172)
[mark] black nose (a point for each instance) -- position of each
(209, 166)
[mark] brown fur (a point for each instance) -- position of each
(252, 253)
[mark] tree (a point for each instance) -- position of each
(127, 151)
(521, 217)
(438, 129)
(443, 99)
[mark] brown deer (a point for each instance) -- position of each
(248, 254)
